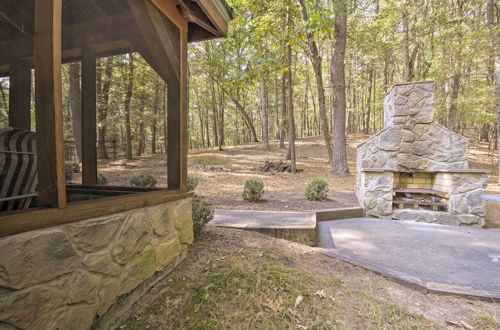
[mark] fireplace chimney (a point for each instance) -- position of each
(409, 103)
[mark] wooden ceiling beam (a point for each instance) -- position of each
(98, 31)
(160, 41)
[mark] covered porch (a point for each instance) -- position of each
(74, 250)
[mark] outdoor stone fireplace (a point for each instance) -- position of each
(415, 169)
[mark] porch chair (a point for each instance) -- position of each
(18, 168)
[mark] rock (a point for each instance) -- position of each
(53, 305)
(379, 183)
(166, 252)
(407, 135)
(108, 292)
(390, 140)
(95, 234)
(102, 262)
(182, 211)
(422, 147)
(462, 182)
(401, 111)
(135, 234)
(475, 203)
(160, 223)
(141, 267)
(35, 257)
(400, 100)
(412, 163)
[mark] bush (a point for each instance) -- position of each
(317, 189)
(202, 214)
(192, 182)
(143, 180)
(101, 179)
(68, 171)
(76, 167)
(253, 190)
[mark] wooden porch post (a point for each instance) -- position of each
(89, 137)
(177, 121)
(164, 46)
(20, 96)
(48, 100)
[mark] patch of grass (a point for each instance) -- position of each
(259, 292)
(485, 322)
(208, 160)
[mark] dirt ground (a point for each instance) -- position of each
(244, 280)
(283, 191)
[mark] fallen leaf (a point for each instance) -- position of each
(298, 300)
(456, 324)
(320, 293)
(466, 325)
(301, 327)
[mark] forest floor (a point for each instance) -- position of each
(283, 191)
(236, 279)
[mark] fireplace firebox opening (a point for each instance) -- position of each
(420, 191)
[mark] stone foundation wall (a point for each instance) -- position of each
(66, 277)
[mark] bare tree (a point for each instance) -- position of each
(128, 98)
(264, 113)
(75, 103)
(337, 76)
(316, 61)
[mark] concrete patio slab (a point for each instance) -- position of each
(436, 258)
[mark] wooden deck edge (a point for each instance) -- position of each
(31, 219)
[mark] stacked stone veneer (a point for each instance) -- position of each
(66, 277)
(412, 142)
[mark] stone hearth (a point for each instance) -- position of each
(415, 169)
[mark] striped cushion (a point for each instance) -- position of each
(18, 169)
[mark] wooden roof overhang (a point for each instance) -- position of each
(109, 27)
(43, 34)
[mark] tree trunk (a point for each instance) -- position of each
(453, 99)
(337, 76)
(215, 117)
(140, 133)
(316, 63)
(222, 138)
(264, 113)
(496, 43)
(291, 120)
(102, 107)
(369, 101)
(156, 104)
(128, 99)
(75, 103)
(283, 111)
(247, 120)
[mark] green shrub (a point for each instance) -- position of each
(317, 189)
(101, 179)
(143, 180)
(192, 182)
(76, 167)
(68, 171)
(253, 190)
(202, 214)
